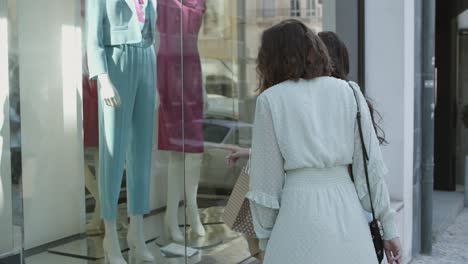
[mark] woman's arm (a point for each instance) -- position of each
(376, 170)
(266, 173)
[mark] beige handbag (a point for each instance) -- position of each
(237, 215)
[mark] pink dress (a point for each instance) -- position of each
(180, 88)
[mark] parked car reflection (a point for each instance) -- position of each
(218, 133)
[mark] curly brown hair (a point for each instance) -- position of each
(291, 51)
(338, 53)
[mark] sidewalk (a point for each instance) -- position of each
(452, 246)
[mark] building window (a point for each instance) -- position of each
(311, 8)
(295, 8)
(268, 8)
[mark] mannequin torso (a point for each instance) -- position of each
(117, 26)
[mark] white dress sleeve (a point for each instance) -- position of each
(266, 173)
(376, 169)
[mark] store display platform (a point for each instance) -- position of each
(234, 252)
(220, 245)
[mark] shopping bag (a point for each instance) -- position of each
(237, 215)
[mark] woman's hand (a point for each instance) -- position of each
(237, 153)
(393, 251)
(261, 256)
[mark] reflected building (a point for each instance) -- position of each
(229, 42)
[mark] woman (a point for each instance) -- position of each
(305, 207)
(339, 57)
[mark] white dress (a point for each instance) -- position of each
(305, 207)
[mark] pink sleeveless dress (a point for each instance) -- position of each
(179, 76)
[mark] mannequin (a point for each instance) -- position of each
(121, 57)
(191, 164)
(181, 107)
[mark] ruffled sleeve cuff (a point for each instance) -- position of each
(264, 199)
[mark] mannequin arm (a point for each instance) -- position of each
(97, 62)
(109, 94)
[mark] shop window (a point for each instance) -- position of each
(206, 83)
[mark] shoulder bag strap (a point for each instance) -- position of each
(364, 150)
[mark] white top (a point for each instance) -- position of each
(312, 124)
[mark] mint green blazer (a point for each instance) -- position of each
(111, 23)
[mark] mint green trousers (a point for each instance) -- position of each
(126, 132)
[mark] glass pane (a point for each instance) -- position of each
(215, 133)
(228, 41)
(8, 185)
(11, 203)
(128, 111)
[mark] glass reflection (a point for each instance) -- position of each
(200, 100)
(180, 130)
(10, 139)
(6, 217)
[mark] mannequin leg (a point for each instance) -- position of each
(112, 251)
(193, 164)
(114, 130)
(139, 158)
(136, 240)
(114, 134)
(174, 194)
(111, 160)
(139, 155)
